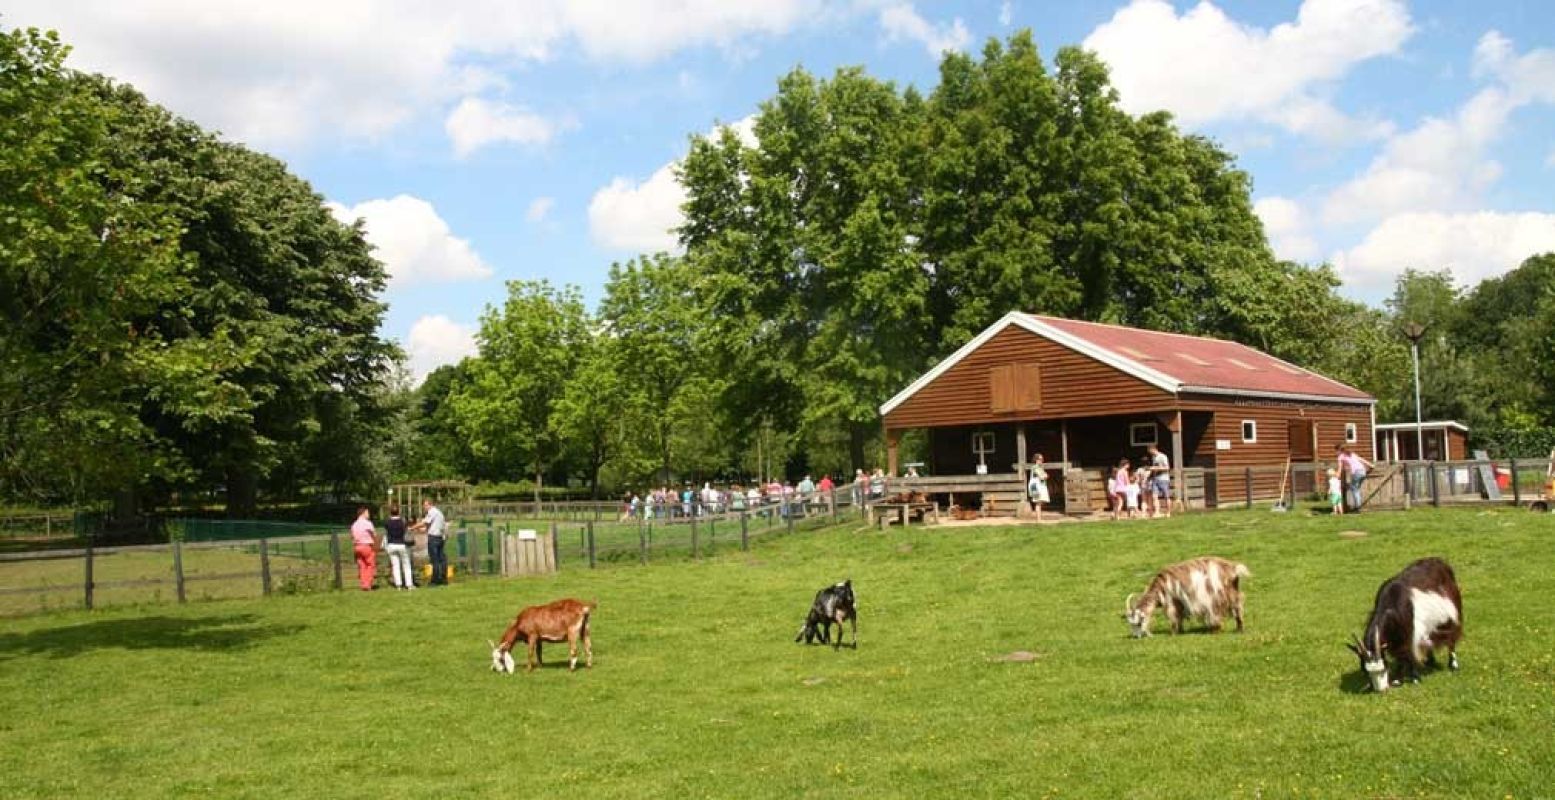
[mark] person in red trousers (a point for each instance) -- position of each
(362, 539)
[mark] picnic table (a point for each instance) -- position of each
(883, 513)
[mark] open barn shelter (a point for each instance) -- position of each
(1087, 394)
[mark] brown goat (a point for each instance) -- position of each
(553, 622)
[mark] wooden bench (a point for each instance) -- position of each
(883, 513)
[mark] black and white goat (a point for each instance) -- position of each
(1207, 587)
(1416, 612)
(836, 604)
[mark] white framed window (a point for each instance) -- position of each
(1141, 434)
(982, 442)
(1249, 431)
(1350, 434)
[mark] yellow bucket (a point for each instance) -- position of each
(426, 572)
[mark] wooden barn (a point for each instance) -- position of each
(1085, 394)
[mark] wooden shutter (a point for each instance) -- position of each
(1028, 386)
(1014, 387)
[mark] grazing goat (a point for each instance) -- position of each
(1416, 612)
(1207, 587)
(836, 604)
(553, 622)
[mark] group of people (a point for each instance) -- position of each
(787, 497)
(1143, 491)
(1345, 479)
(397, 544)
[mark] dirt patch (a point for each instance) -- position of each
(814, 680)
(1352, 534)
(1017, 657)
(904, 548)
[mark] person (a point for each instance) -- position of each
(1131, 482)
(826, 487)
(437, 550)
(685, 502)
(1335, 492)
(363, 539)
(1160, 482)
(1036, 488)
(398, 550)
(877, 484)
(1117, 489)
(1142, 482)
(912, 472)
(1354, 469)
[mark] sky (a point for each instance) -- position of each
(483, 141)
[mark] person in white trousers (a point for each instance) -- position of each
(398, 548)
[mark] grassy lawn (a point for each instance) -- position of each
(699, 691)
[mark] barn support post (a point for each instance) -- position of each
(893, 440)
(1177, 479)
(1022, 509)
(1517, 492)
(1063, 441)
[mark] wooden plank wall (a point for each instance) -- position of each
(1072, 385)
(1273, 442)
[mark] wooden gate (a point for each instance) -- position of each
(528, 552)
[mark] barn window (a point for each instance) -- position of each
(1142, 434)
(1014, 387)
(982, 442)
(1349, 433)
(1249, 431)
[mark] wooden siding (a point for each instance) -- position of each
(1273, 443)
(1071, 385)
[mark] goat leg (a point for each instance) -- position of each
(588, 648)
(572, 649)
(529, 663)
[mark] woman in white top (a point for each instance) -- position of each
(1036, 488)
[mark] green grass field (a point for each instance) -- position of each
(698, 690)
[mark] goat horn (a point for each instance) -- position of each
(1128, 603)
(493, 644)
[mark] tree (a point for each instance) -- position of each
(528, 350)
(597, 411)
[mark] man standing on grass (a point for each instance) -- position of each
(1160, 487)
(437, 551)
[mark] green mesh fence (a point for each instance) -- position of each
(225, 530)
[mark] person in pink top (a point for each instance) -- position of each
(362, 540)
(1353, 469)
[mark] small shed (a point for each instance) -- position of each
(1444, 440)
(1084, 394)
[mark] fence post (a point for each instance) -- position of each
(556, 552)
(264, 564)
(1517, 492)
(642, 542)
(745, 534)
(790, 518)
(831, 504)
(694, 542)
(89, 576)
(334, 556)
(178, 568)
(589, 531)
(473, 565)
(1436, 499)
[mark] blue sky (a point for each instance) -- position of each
(484, 140)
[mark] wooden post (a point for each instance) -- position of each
(1063, 440)
(745, 534)
(1178, 480)
(790, 520)
(1436, 498)
(1249, 487)
(1022, 509)
(642, 542)
(892, 440)
(334, 555)
(264, 565)
(178, 568)
(473, 562)
(1517, 492)
(831, 503)
(89, 583)
(556, 555)
(694, 537)
(589, 532)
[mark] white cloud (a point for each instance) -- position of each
(902, 21)
(1288, 229)
(437, 340)
(1474, 246)
(1006, 13)
(413, 242)
(641, 216)
(539, 209)
(284, 72)
(477, 122)
(1443, 163)
(1204, 66)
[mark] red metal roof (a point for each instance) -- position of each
(1198, 362)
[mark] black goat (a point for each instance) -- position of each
(1416, 612)
(836, 604)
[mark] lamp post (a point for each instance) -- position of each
(1414, 331)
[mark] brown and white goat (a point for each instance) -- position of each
(553, 622)
(1206, 587)
(1415, 612)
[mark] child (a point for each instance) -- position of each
(1130, 493)
(1335, 491)
(1117, 488)
(1146, 498)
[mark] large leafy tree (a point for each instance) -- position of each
(529, 348)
